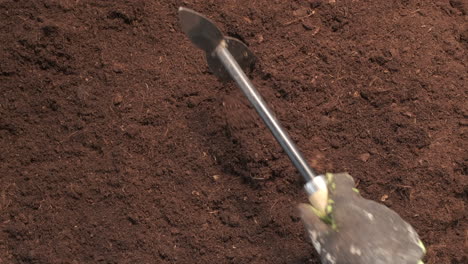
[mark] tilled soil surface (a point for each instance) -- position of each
(119, 146)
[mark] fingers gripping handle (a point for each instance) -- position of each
(317, 192)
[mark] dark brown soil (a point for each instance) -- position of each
(119, 146)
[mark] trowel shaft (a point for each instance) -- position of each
(264, 111)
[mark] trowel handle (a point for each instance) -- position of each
(263, 110)
(206, 36)
(315, 187)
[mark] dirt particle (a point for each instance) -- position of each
(384, 198)
(50, 31)
(231, 220)
(121, 15)
(335, 143)
(118, 99)
(118, 67)
(301, 12)
(463, 122)
(132, 131)
(392, 66)
(133, 220)
(308, 24)
(407, 114)
(378, 60)
(464, 37)
(462, 6)
(260, 38)
(315, 3)
(159, 171)
(53, 105)
(364, 157)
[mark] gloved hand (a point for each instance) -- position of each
(355, 230)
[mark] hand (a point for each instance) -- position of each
(355, 230)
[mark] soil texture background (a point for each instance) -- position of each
(119, 146)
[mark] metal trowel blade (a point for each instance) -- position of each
(204, 34)
(200, 30)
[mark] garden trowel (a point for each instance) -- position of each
(344, 227)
